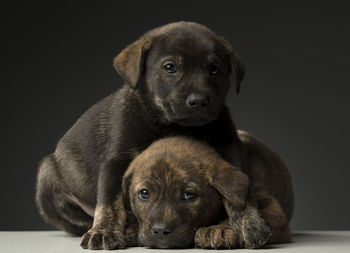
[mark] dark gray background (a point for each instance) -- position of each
(58, 62)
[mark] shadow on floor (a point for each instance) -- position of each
(301, 237)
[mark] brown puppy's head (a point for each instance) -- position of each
(184, 71)
(173, 189)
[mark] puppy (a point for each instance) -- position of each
(178, 190)
(176, 79)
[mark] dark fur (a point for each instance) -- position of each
(171, 166)
(79, 185)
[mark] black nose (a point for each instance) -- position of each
(197, 101)
(160, 231)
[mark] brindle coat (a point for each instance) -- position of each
(173, 167)
(176, 79)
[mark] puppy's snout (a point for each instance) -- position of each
(197, 101)
(160, 231)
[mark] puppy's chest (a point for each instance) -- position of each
(140, 140)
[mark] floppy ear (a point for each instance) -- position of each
(130, 62)
(236, 65)
(126, 185)
(237, 71)
(231, 183)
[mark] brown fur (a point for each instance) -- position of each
(271, 186)
(182, 162)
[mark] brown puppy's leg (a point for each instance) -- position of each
(244, 228)
(216, 237)
(251, 229)
(272, 212)
(131, 234)
(131, 227)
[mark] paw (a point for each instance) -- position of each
(215, 237)
(255, 233)
(103, 239)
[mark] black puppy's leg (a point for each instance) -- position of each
(108, 231)
(71, 211)
(54, 205)
(53, 214)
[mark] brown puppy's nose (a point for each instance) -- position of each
(197, 101)
(160, 231)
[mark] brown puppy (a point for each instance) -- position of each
(178, 187)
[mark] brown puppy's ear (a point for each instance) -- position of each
(231, 183)
(130, 62)
(126, 184)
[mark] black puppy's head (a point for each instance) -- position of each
(184, 69)
(175, 187)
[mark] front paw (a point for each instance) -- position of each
(215, 237)
(255, 232)
(97, 238)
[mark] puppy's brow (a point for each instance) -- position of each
(143, 182)
(215, 58)
(194, 186)
(176, 58)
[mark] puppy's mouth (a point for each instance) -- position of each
(191, 121)
(178, 114)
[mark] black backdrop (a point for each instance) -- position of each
(58, 62)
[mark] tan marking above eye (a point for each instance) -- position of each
(194, 186)
(171, 58)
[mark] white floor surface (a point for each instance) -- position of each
(55, 241)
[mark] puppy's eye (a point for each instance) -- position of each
(170, 68)
(188, 195)
(214, 69)
(143, 194)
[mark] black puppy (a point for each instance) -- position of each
(176, 78)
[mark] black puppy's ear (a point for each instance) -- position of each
(236, 65)
(130, 62)
(237, 71)
(231, 183)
